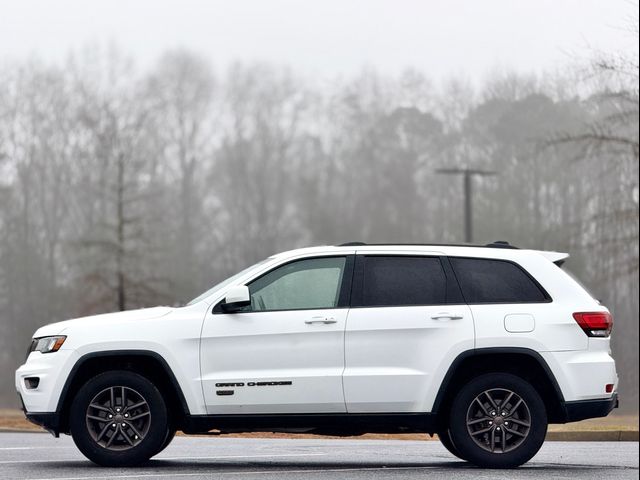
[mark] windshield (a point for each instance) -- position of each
(226, 282)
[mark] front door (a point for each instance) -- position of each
(284, 353)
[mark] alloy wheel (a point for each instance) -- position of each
(118, 418)
(498, 420)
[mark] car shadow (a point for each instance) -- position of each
(271, 466)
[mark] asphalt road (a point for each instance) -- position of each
(40, 456)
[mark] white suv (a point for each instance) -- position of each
(484, 346)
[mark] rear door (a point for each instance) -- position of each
(407, 324)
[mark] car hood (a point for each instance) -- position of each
(104, 319)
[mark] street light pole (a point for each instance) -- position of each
(467, 175)
(468, 207)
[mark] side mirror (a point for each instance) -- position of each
(237, 298)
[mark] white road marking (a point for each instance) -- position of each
(241, 472)
(216, 457)
(32, 448)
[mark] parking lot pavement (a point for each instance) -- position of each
(40, 456)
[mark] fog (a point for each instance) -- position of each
(124, 185)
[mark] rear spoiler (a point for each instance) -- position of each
(556, 257)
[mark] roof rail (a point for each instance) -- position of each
(496, 244)
(501, 244)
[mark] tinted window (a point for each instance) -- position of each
(312, 283)
(495, 281)
(403, 281)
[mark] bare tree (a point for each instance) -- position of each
(120, 189)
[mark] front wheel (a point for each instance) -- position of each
(445, 438)
(498, 420)
(119, 419)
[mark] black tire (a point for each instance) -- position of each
(140, 426)
(445, 438)
(171, 432)
(498, 420)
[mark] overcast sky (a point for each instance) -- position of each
(327, 37)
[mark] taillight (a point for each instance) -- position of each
(595, 324)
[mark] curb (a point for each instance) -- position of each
(21, 430)
(594, 436)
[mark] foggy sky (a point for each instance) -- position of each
(329, 37)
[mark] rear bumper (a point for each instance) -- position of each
(583, 409)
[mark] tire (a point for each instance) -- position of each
(171, 432)
(498, 420)
(119, 419)
(445, 438)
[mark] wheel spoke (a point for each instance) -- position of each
(515, 407)
(515, 432)
(102, 432)
(504, 404)
(136, 405)
(480, 432)
(135, 430)
(504, 439)
(99, 419)
(115, 433)
(493, 404)
(519, 422)
(493, 440)
(126, 436)
(112, 393)
(140, 415)
(99, 407)
(124, 402)
(486, 412)
(479, 420)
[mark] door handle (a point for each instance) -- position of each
(323, 320)
(446, 316)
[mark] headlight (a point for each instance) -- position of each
(47, 344)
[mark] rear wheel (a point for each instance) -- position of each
(171, 432)
(498, 421)
(118, 419)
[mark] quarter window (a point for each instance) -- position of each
(495, 281)
(304, 284)
(399, 281)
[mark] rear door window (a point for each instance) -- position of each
(484, 280)
(402, 281)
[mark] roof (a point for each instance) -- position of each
(498, 250)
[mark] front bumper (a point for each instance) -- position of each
(40, 403)
(51, 370)
(49, 421)
(584, 409)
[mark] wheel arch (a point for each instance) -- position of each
(144, 362)
(523, 362)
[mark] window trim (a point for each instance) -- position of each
(452, 289)
(344, 297)
(547, 298)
